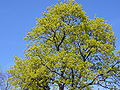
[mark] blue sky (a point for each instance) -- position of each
(19, 16)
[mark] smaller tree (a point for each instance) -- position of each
(4, 84)
(1, 79)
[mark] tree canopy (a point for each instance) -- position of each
(69, 50)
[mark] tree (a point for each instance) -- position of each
(69, 50)
(1, 79)
(4, 85)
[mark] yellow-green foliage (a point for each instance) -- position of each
(69, 50)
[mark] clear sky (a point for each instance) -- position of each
(19, 16)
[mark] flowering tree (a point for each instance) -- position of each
(69, 50)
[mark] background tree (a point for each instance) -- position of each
(69, 50)
(1, 79)
(4, 85)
